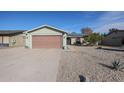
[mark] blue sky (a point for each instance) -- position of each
(68, 21)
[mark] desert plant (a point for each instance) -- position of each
(117, 65)
(26, 47)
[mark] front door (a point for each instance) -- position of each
(68, 41)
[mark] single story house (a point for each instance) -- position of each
(45, 37)
(11, 38)
(73, 38)
(115, 38)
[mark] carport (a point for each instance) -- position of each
(10, 38)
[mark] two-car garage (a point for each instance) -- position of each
(46, 41)
(45, 37)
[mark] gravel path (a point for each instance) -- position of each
(89, 62)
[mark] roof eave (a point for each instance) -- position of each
(62, 31)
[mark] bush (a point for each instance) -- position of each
(117, 65)
(93, 38)
(26, 47)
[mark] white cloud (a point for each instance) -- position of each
(110, 20)
(103, 23)
(111, 16)
(106, 27)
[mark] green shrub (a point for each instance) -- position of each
(93, 38)
(26, 47)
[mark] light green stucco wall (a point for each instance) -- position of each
(43, 31)
(27, 40)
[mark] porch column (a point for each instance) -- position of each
(65, 41)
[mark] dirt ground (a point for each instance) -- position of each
(37, 65)
(20, 64)
(90, 63)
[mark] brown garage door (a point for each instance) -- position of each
(43, 41)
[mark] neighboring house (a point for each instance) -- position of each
(45, 37)
(11, 38)
(72, 38)
(115, 38)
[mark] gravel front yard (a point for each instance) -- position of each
(91, 63)
(20, 64)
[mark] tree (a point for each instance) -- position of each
(86, 31)
(112, 30)
(93, 38)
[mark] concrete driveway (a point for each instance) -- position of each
(20, 64)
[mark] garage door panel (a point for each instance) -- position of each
(46, 41)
